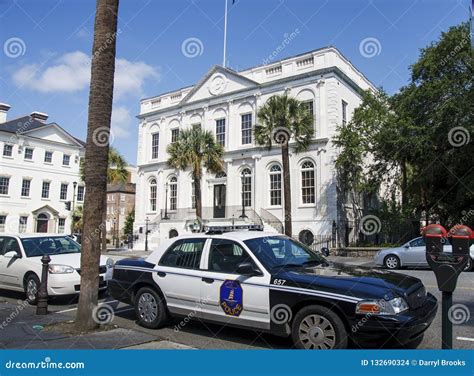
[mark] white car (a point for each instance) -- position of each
(20, 264)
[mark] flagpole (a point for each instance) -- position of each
(225, 34)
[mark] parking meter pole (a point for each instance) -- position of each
(447, 325)
(42, 307)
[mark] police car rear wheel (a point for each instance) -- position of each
(318, 328)
(149, 307)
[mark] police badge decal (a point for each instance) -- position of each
(231, 298)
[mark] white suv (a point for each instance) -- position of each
(20, 264)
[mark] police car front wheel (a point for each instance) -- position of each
(318, 328)
(150, 310)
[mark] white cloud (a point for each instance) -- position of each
(121, 121)
(71, 73)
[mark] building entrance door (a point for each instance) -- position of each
(219, 200)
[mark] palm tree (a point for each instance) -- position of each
(194, 150)
(285, 120)
(97, 149)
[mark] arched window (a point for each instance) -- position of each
(275, 185)
(221, 174)
(173, 233)
(152, 195)
(246, 176)
(306, 237)
(173, 192)
(307, 183)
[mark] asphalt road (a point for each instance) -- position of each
(205, 336)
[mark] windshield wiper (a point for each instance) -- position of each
(309, 262)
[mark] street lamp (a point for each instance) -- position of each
(166, 202)
(243, 215)
(74, 185)
(146, 234)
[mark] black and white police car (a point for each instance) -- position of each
(269, 282)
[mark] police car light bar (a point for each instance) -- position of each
(222, 229)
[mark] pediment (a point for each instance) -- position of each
(52, 132)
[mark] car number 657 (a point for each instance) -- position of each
(279, 281)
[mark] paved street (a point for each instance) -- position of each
(193, 334)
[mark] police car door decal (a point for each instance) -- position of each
(231, 298)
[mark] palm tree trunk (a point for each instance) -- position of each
(287, 188)
(198, 198)
(96, 158)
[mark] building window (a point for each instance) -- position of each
(7, 150)
(173, 186)
(153, 195)
(307, 183)
(22, 224)
(193, 195)
(122, 211)
(122, 197)
(25, 188)
(275, 185)
(66, 159)
(45, 189)
(174, 134)
(4, 183)
(246, 177)
(309, 105)
(48, 157)
(29, 153)
(155, 140)
(80, 193)
(196, 125)
(63, 192)
(246, 122)
(220, 131)
(344, 112)
(3, 219)
(306, 237)
(61, 225)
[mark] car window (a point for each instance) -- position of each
(184, 254)
(420, 242)
(2, 243)
(11, 245)
(50, 245)
(226, 255)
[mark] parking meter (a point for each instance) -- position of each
(447, 267)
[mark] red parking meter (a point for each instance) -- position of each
(447, 267)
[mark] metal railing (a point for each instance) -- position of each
(272, 220)
(321, 241)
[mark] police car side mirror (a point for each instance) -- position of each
(406, 246)
(247, 269)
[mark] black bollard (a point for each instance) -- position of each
(42, 307)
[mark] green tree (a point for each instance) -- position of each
(95, 167)
(194, 150)
(285, 121)
(77, 218)
(129, 220)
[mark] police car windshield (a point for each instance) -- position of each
(279, 252)
(50, 245)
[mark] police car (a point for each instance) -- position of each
(269, 282)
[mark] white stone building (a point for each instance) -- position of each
(226, 102)
(39, 174)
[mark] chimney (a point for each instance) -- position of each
(40, 116)
(3, 112)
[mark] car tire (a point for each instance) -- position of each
(468, 266)
(318, 328)
(31, 286)
(391, 262)
(149, 308)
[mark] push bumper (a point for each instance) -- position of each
(396, 330)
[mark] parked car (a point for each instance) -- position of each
(20, 264)
(269, 282)
(412, 253)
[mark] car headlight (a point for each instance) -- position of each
(382, 307)
(60, 269)
(109, 263)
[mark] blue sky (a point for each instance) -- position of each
(46, 44)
